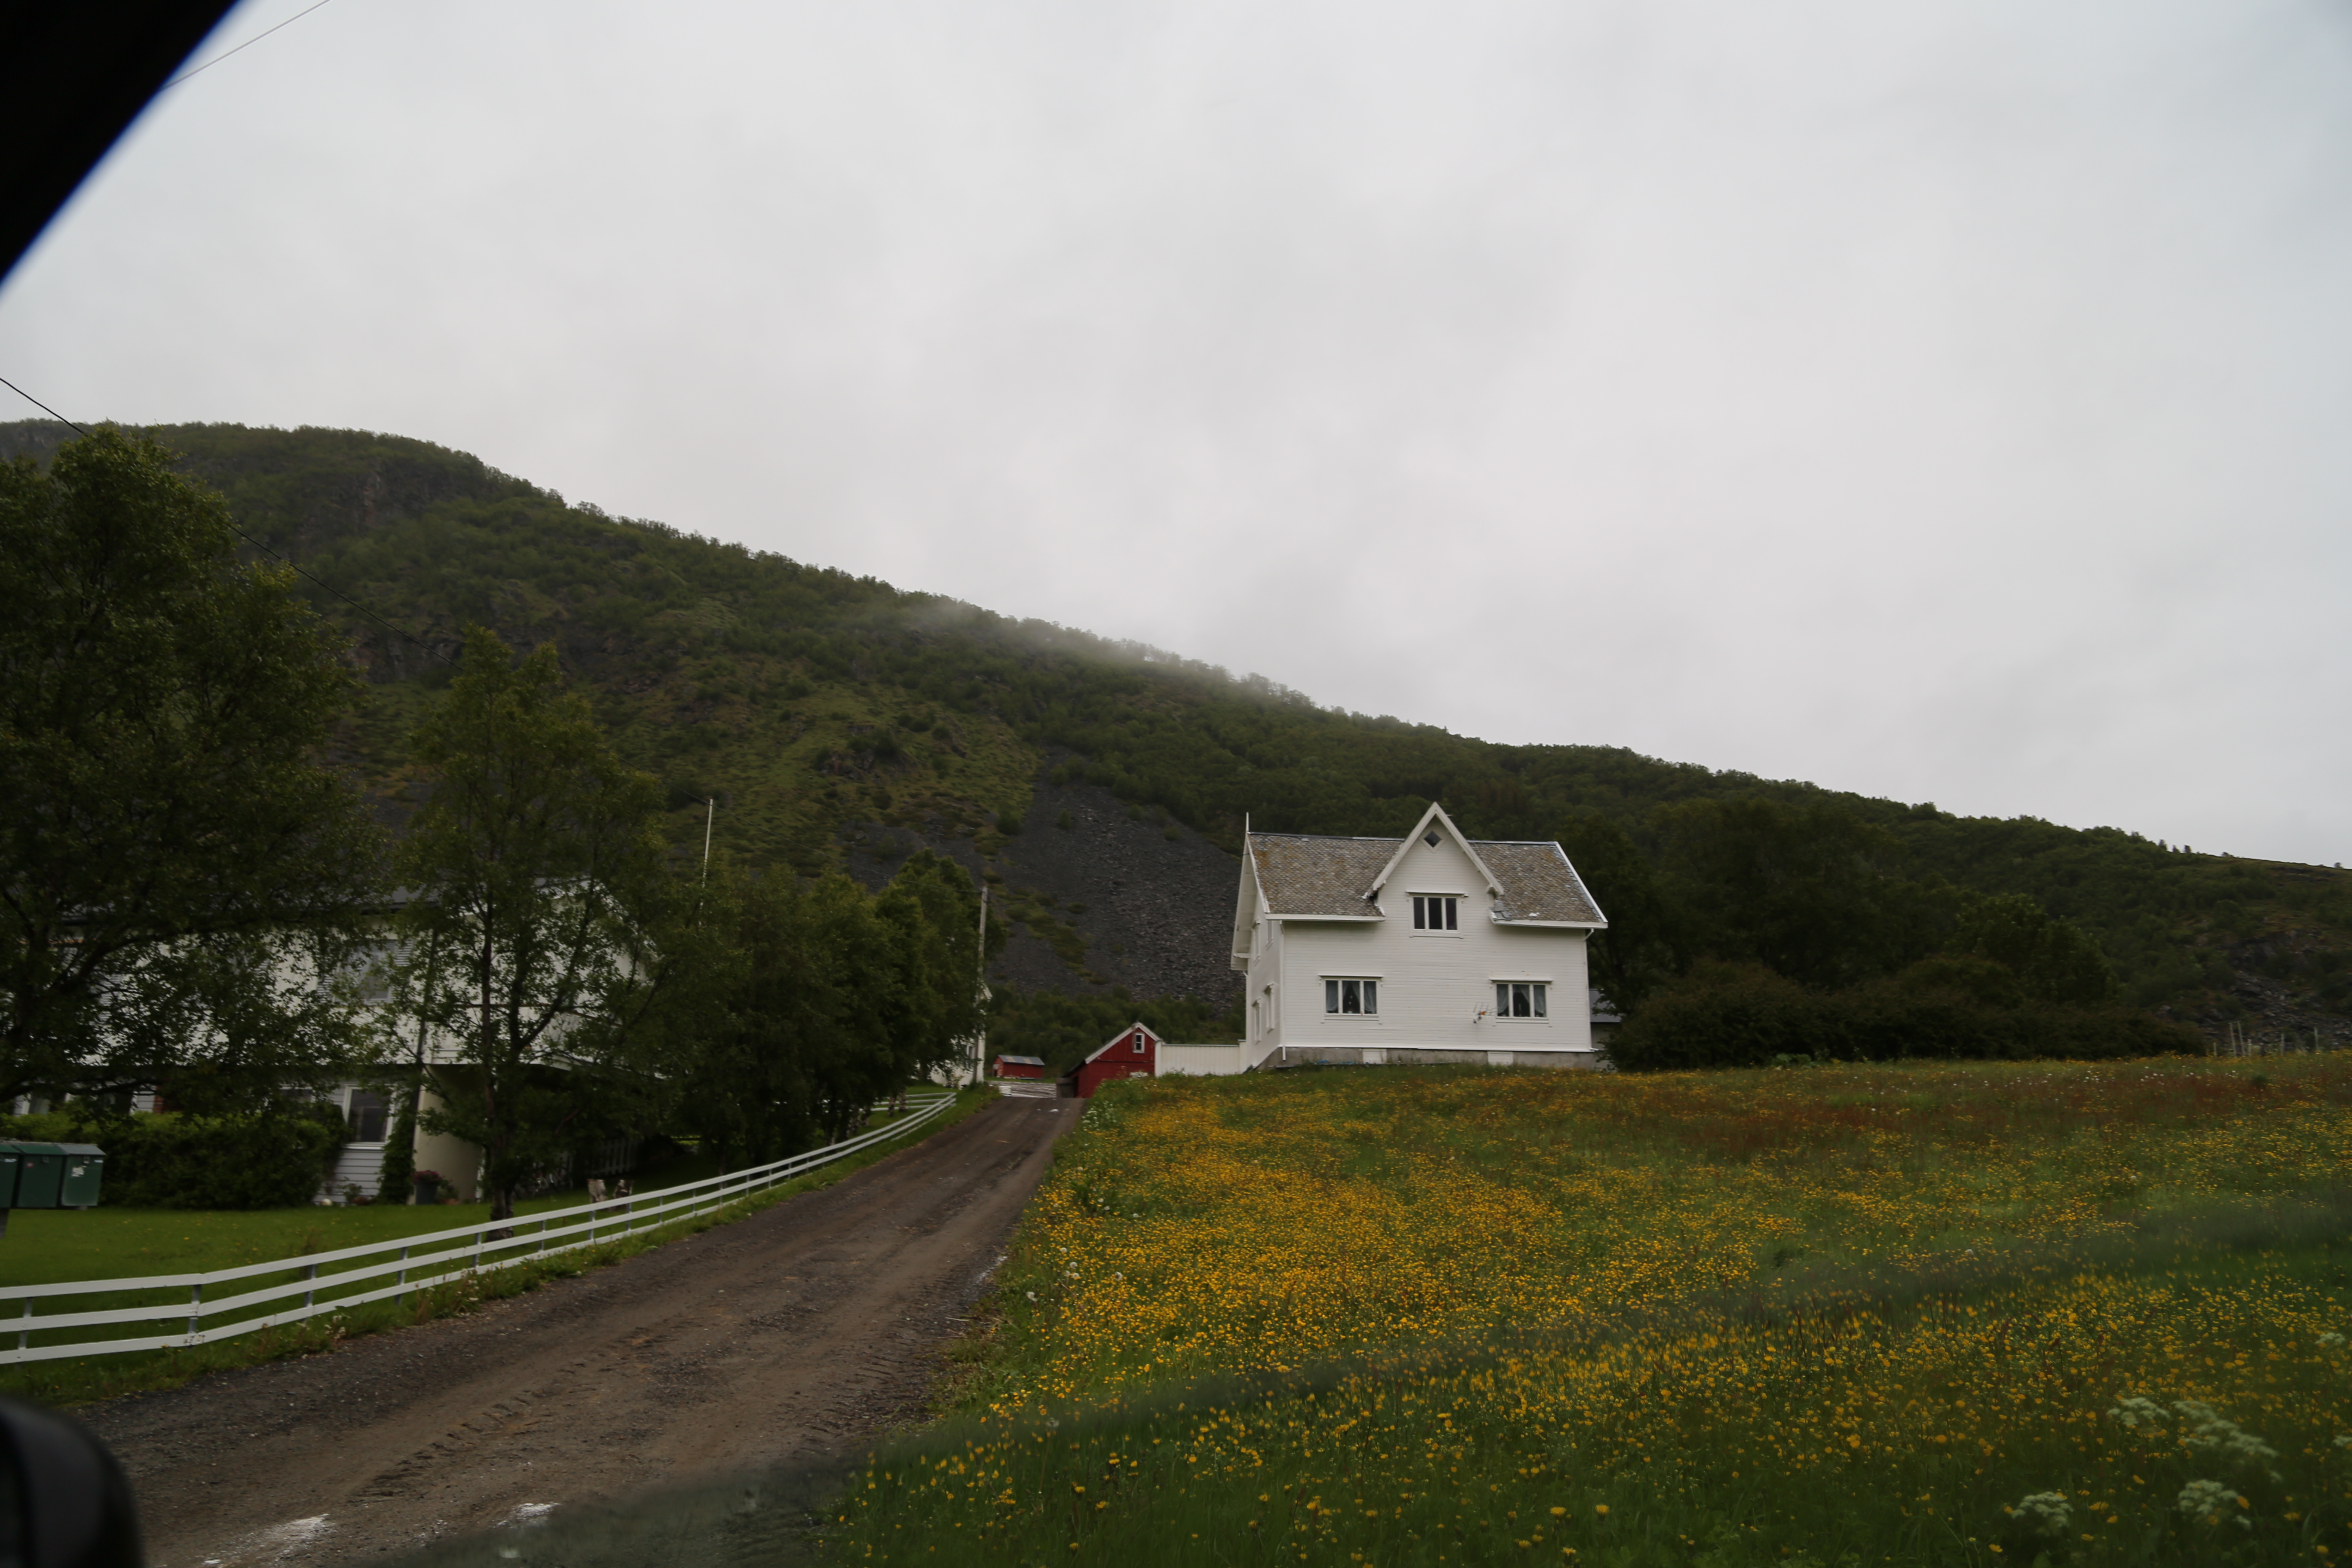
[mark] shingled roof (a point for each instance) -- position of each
(1306, 874)
(1538, 884)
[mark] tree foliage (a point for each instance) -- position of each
(810, 699)
(536, 889)
(1724, 1016)
(183, 871)
(820, 999)
(1754, 929)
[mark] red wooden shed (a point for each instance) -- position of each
(1134, 1052)
(1021, 1066)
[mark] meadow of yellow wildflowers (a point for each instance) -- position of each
(1899, 1313)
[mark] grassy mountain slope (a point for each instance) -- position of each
(842, 723)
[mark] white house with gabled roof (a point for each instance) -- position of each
(1430, 948)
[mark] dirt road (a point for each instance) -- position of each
(786, 1338)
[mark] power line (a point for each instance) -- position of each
(293, 565)
(240, 48)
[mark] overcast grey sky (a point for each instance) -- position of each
(1948, 401)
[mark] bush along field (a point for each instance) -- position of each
(2035, 1314)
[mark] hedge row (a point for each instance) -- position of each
(179, 1161)
(1726, 1016)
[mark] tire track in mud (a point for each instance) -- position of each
(786, 1338)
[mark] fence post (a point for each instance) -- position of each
(402, 1294)
(195, 1300)
(313, 1277)
(25, 1336)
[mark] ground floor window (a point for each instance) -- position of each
(1351, 997)
(1519, 999)
(365, 1116)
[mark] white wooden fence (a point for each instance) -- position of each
(413, 1262)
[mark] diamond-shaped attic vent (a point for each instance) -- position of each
(1429, 839)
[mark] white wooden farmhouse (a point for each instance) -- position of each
(1431, 948)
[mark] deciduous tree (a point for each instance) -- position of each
(537, 890)
(183, 872)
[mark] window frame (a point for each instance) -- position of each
(1368, 995)
(1538, 999)
(354, 1111)
(1428, 907)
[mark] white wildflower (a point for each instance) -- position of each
(2045, 1511)
(2135, 1412)
(2206, 1427)
(2208, 1500)
(2330, 1341)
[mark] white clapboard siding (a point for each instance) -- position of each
(358, 1165)
(1435, 986)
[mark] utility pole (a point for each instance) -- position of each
(978, 1063)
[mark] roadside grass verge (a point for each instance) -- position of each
(1905, 1313)
(85, 1379)
(47, 1247)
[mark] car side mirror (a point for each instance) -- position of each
(64, 1500)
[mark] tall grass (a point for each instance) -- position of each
(1891, 1314)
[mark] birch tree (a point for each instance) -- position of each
(536, 885)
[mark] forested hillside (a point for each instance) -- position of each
(1100, 786)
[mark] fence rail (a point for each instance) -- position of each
(437, 1258)
(2239, 1041)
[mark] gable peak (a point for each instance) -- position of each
(1433, 830)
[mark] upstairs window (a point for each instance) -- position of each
(1432, 911)
(1351, 997)
(1139, 1045)
(1519, 999)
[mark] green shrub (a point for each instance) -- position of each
(178, 1162)
(1728, 1015)
(48, 1127)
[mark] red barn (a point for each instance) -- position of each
(1021, 1066)
(1134, 1053)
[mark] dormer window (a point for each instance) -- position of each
(1435, 911)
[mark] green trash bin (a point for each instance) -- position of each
(85, 1163)
(40, 1173)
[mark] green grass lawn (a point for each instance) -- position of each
(47, 1247)
(2046, 1313)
